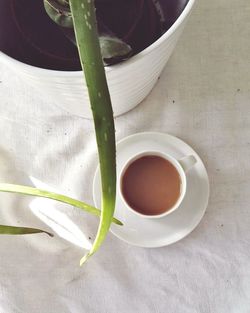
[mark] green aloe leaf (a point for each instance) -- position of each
(26, 190)
(113, 49)
(14, 230)
(59, 12)
(85, 26)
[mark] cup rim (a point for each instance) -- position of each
(177, 166)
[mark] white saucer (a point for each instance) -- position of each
(160, 232)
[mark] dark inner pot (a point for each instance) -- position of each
(30, 36)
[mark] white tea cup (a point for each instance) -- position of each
(182, 166)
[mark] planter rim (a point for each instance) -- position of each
(56, 73)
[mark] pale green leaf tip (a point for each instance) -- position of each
(84, 259)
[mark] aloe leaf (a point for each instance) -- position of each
(26, 190)
(59, 12)
(85, 25)
(14, 230)
(114, 49)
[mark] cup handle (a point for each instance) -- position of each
(187, 162)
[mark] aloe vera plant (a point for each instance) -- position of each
(135, 23)
(119, 37)
(113, 49)
(86, 34)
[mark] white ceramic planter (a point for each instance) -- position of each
(129, 82)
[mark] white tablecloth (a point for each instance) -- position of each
(202, 97)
